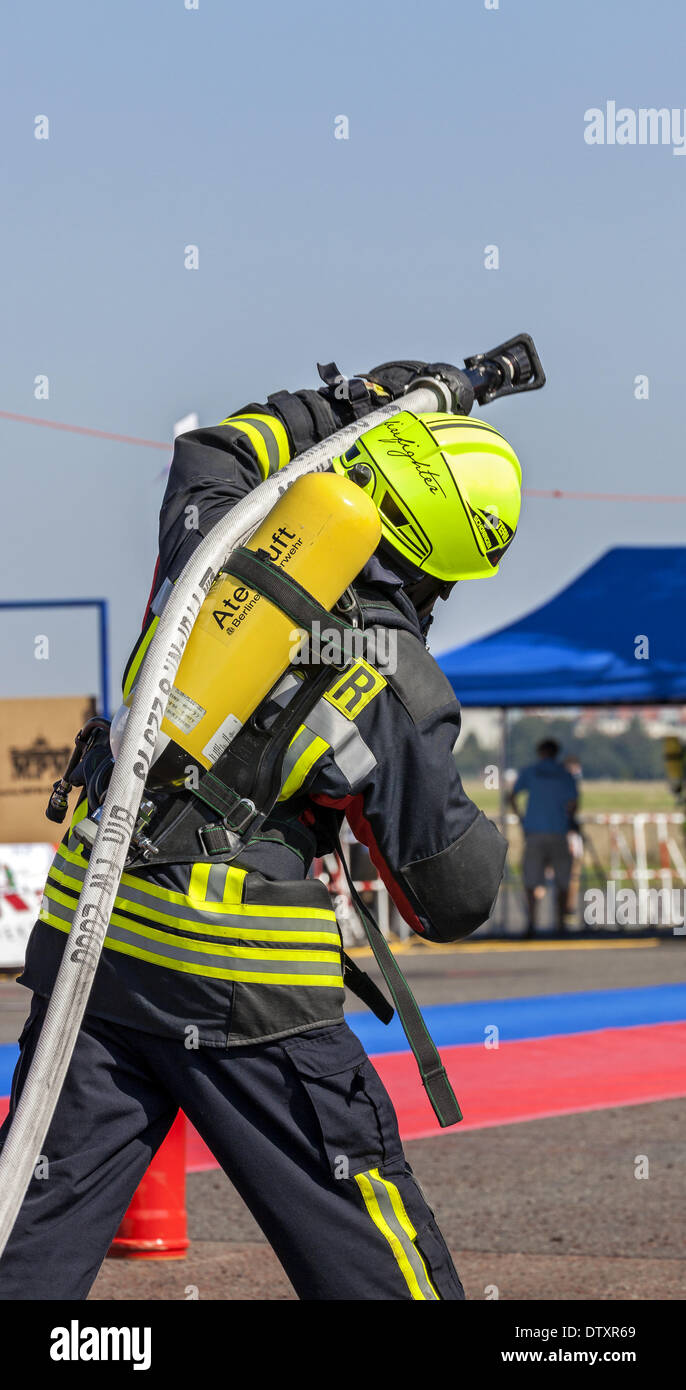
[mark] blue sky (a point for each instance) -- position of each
(215, 127)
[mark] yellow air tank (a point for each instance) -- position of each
(321, 531)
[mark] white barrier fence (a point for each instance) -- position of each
(643, 851)
(630, 856)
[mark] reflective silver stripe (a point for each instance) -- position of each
(295, 750)
(57, 909)
(161, 597)
(255, 925)
(350, 751)
(294, 918)
(268, 436)
(326, 961)
(216, 883)
(283, 692)
(186, 912)
(410, 1250)
(66, 866)
(227, 957)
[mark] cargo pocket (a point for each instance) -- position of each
(355, 1118)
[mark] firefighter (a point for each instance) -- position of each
(220, 988)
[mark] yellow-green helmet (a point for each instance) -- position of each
(448, 491)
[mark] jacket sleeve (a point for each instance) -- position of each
(441, 858)
(213, 468)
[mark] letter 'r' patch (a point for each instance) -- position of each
(355, 689)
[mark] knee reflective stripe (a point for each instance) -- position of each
(385, 1206)
(243, 941)
(267, 436)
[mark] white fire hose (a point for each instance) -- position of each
(84, 946)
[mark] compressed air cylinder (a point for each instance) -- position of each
(321, 532)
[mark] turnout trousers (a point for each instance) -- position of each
(303, 1127)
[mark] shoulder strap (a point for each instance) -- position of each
(261, 574)
(434, 1076)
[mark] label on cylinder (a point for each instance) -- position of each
(183, 712)
(221, 739)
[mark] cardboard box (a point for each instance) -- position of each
(36, 740)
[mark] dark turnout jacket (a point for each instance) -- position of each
(249, 951)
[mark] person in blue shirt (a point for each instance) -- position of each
(549, 816)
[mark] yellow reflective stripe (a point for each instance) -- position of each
(258, 444)
(300, 770)
(75, 883)
(238, 909)
(197, 886)
(253, 427)
(188, 968)
(213, 948)
(76, 856)
(233, 888)
(274, 425)
(406, 1257)
(309, 938)
(136, 663)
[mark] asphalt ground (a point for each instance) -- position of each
(482, 970)
(543, 1210)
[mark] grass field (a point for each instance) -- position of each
(627, 797)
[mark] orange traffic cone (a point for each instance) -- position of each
(154, 1226)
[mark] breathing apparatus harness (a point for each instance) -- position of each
(244, 783)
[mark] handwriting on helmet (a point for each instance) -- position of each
(406, 449)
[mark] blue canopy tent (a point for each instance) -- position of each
(583, 646)
(615, 635)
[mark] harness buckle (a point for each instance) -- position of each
(241, 816)
(225, 835)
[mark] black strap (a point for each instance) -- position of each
(330, 373)
(434, 1076)
(296, 418)
(355, 399)
(242, 786)
(360, 983)
(282, 590)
